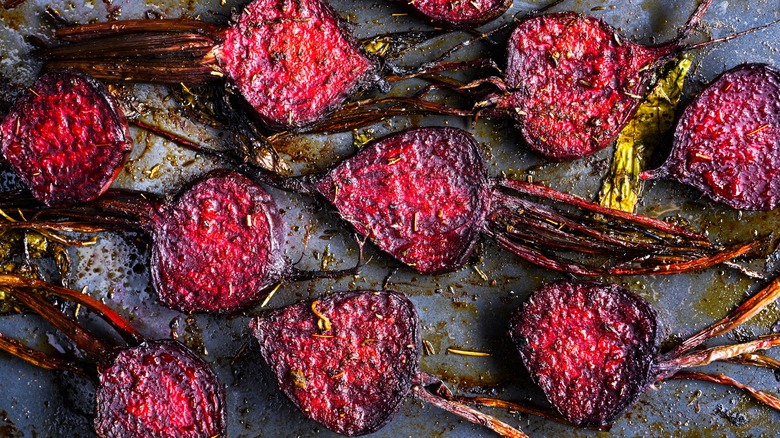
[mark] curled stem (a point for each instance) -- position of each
(763, 397)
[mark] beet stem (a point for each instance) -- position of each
(467, 413)
(765, 398)
(705, 357)
(694, 20)
(37, 358)
(91, 345)
(100, 30)
(736, 317)
(756, 360)
(121, 325)
(728, 38)
(516, 407)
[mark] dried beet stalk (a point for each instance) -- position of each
(65, 138)
(424, 197)
(593, 348)
(348, 360)
(149, 388)
(218, 247)
(726, 142)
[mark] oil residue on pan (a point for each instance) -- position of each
(468, 309)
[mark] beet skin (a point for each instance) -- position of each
(420, 195)
(727, 142)
(590, 347)
(66, 139)
(218, 247)
(461, 14)
(159, 389)
(347, 360)
(293, 61)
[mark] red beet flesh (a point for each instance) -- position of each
(66, 139)
(461, 13)
(575, 82)
(727, 142)
(159, 389)
(590, 347)
(293, 61)
(352, 377)
(218, 247)
(420, 195)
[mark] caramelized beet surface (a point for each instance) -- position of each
(727, 142)
(590, 347)
(66, 139)
(421, 196)
(160, 389)
(461, 14)
(218, 247)
(293, 61)
(351, 373)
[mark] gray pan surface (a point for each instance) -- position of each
(467, 309)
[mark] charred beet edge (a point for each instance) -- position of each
(66, 139)
(292, 61)
(217, 248)
(461, 14)
(348, 360)
(593, 348)
(150, 388)
(423, 196)
(726, 143)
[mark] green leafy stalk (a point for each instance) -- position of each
(641, 135)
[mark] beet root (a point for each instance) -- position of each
(420, 195)
(293, 61)
(461, 14)
(66, 139)
(727, 142)
(590, 347)
(160, 389)
(218, 246)
(347, 360)
(576, 82)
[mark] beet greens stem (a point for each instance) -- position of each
(468, 413)
(764, 397)
(49, 361)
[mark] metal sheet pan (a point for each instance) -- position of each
(460, 309)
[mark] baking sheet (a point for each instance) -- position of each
(461, 309)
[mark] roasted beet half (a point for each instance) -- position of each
(292, 61)
(460, 14)
(66, 139)
(217, 247)
(421, 196)
(348, 360)
(727, 142)
(352, 372)
(163, 389)
(593, 348)
(147, 388)
(589, 346)
(424, 197)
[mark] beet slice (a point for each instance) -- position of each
(589, 346)
(461, 14)
(161, 389)
(218, 246)
(727, 142)
(574, 81)
(66, 138)
(349, 359)
(353, 376)
(593, 348)
(424, 197)
(421, 196)
(150, 388)
(293, 61)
